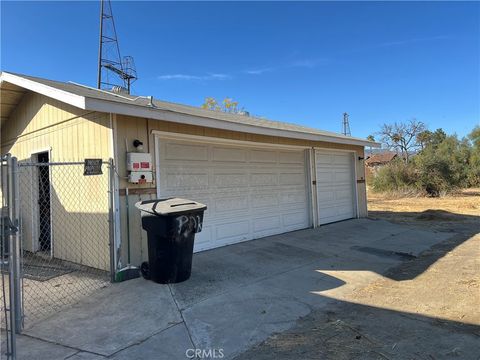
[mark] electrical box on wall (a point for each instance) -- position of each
(140, 177)
(139, 161)
(139, 167)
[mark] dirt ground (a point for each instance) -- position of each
(409, 313)
(464, 202)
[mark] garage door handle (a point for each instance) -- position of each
(314, 182)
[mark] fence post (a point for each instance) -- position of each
(111, 217)
(14, 242)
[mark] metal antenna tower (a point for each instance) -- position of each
(114, 73)
(346, 125)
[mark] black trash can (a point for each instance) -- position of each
(171, 225)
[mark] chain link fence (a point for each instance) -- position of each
(6, 342)
(64, 227)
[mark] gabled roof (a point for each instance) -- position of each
(88, 98)
(381, 158)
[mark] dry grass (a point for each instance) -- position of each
(464, 202)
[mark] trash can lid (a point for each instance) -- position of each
(171, 206)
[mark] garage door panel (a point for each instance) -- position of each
(266, 223)
(345, 194)
(263, 179)
(235, 203)
(324, 158)
(291, 157)
(292, 198)
(342, 159)
(295, 220)
(229, 180)
(202, 238)
(292, 179)
(325, 177)
(229, 154)
(250, 193)
(233, 231)
(189, 152)
(263, 156)
(335, 186)
(264, 201)
(343, 177)
(186, 180)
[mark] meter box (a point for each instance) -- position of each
(140, 177)
(139, 161)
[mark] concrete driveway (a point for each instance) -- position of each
(237, 296)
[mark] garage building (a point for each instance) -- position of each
(257, 177)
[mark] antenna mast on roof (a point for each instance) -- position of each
(114, 73)
(346, 125)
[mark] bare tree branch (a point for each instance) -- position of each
(402, 137)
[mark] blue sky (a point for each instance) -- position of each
(303, 62)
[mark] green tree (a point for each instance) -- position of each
(228, 105)
(474, 161)
(424, 138)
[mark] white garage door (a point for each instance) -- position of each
(335, 186)
(250, 192)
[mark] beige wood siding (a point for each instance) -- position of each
(129, 128)
(40, 124)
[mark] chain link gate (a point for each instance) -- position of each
(65, 223)
(10, 315)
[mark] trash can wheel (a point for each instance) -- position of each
(145, 270)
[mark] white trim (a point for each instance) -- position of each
(189, 119)
(313, 187)
(61, 95)
(215, 140)
(333, 149)
(157, 165)
(308, 185)
(355, 185)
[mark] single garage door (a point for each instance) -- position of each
(250, 192)
(335, 186)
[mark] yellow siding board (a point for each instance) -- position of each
(39, 123)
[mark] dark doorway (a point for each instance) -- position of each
(44, 239)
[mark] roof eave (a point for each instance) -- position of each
(64, 96)
(183, 118)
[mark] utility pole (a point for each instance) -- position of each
(346, 125)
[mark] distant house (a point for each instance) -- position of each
(376, 161)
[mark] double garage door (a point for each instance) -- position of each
(250, 192)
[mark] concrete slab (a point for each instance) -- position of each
(125, 314)
(237, 295)
(81, 355)
(236, 320)
(30, 348)
(411, 242)
(171, 343)
(215, 272)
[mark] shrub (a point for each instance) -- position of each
(395, 176)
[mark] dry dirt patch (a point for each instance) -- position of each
(425, 308)
(464, 202)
